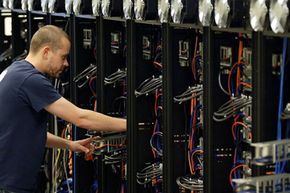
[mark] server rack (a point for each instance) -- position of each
(83, 57)
(19, 31)
(5, 38)
(112, 99)
(174, 79)
(141, 114)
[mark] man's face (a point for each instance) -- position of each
(57, 61)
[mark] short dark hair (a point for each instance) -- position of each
(47, 35)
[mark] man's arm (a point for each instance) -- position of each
(54, 141)
(84, 118)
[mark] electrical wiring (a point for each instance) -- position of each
(158, 96)
(235, 74)
(286, 113)
(116, 76)
(234, 91)
(237, 66)
(119, 106)
(190, 93)
(157, 62)
(65, 164)
(243, 166)
(115, 157)
(194, 125)
(237, 158)
(245, 188)
(82, 78)
(109, 144)
(59, 156)
(156, 149)
(196, 154)
(150, 172)
(238, 108)
(278, 168)
(231, 90)
(220, 84)
(61, 163)
(194, 181)
(197, 61)
(231, 107)
(123, 176)
(240, 53)
(148, 85)
(7, 54)
(193, 61)
(234, 127)
(92, 89)
(190, 182)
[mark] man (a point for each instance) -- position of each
(26, 97)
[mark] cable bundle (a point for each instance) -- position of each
(190, 182)
(286, 113)
(245, 188)
(82, 78)
(116, 157)
(231, 108)
(6, 55)
(109, 144)
(116, 76)
(148, 85)
(190, 93)
(157, 148)
(150, 173)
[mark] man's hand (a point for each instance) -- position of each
(83, 145)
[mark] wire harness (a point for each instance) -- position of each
(190, 182)
(82, 78)
(232, 107)
(115, 77)
(148, 85)
(149, 173)
(190, 93)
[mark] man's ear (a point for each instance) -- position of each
(45, 52)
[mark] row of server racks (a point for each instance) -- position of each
(203, 85)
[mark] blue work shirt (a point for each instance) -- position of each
(24, 93)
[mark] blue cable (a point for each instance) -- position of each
(287, 135)
(158, 139)
(190, 126)
(279, 126)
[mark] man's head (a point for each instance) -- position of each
(49, 49)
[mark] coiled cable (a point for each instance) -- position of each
(231, 107)
(148, 85)
(116, 76)
(190, 93)
(82, 78)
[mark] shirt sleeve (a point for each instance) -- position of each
(38, 92)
